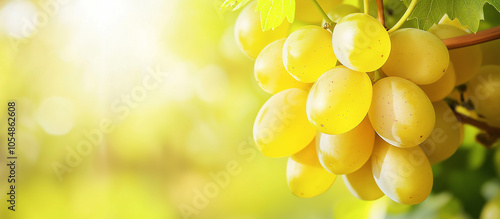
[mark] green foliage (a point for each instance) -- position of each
(469, 13)
(273, 12)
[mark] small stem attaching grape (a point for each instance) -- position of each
(404, 17)
(478, 124)
(494, 131)
(472, 39)
(366, 6)
(325, 16)
(380, 12)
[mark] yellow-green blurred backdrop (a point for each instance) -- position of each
(144, 109)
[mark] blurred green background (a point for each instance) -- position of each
(144, 109)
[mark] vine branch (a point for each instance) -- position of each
(366, 6)
(478, 124)
(404, 17)
(490, 135)
(380, 12)
(472, 39)
(325, 16)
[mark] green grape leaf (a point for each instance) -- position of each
(235, 4)
(468, 12)
(273, 12)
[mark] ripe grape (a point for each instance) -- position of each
(249, 35)
(467, 60)
(360, 42)
(305, 176)
(307, 12)
(400, 112)
(442, 87)
(362, 184)
(446, 136)
(491, 52)
(339, 100)
(417, 55)
(308, 53)
(281, 127)
(346, 153)
(484, 93)
(491, 209)
(338, 12)
(270, 73)
(403, 174)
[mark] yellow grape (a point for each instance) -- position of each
(345, 153)
(362, 184)
(400, 112)
(446, 136)
(338, 12)
(281, 127)
(360, 42)
(270, 72)
(307, 12)
(491, 52)
(305, 176)
(403, 174)
(339, 100)
(248, 31)
(442, 87)
(417, 55)
(484, 92)
(491, 209)
(308, 53)
(467, 60)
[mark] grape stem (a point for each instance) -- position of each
(478, 124)
(493, 131)
(366, 6)
(380, 12)
(325, 16)
(404, 17)
(472, 39)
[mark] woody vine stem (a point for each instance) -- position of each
(451, 43)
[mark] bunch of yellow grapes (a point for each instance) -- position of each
(360, 102)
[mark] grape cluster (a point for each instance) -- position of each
(377, 116)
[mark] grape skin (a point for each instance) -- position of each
(249, 35)
(417, 55)
(307, 12)
(484, 93)
(339, 100)
(270, 73)
(403, 174)
(305, 176)
(467, 61)
(346, 153)
(338, 12)
(442, 87)
(281, 127)
(446, 136)
(360, 42)
(361, 183)
(491, 52)
(308, 53)
(401, 113)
